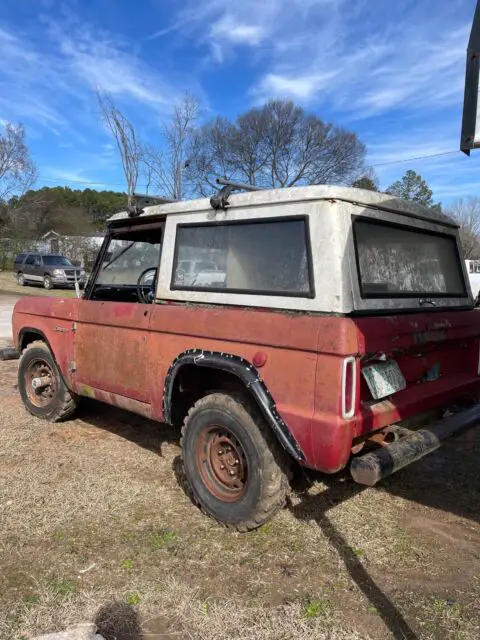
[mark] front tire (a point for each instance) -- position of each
(41, 386)
(234, 465)
(47, 282)
(21, 279)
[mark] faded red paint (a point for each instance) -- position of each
(123, 352)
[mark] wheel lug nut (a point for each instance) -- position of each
(220, 452)
(222, 466)
(232, 472)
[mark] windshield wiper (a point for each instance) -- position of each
(424, 301)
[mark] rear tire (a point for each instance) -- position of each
(47, 283)
(234, 465)
(53, 401)
(21, 279)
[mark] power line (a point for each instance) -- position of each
(122, 184)
(59, 179)
(431, 155)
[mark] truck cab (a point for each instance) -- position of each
(329, 317)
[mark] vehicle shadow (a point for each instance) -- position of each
(145, 433)
(314, 507)
(447, 480)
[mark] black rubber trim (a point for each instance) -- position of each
(249, 375)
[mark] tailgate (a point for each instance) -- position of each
(437, 353)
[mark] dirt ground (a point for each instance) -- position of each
(95, 525)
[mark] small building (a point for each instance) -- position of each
(81, 249)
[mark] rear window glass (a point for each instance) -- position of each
(269, 257)
(397, 262)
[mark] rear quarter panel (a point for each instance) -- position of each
(305, 385)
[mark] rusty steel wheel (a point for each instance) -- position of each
(40, 382)
(41, 386)
(234, 465)
(222, 463)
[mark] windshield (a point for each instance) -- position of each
(56, 261)
(125, 261)
(397, 262)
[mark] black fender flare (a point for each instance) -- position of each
(250, 377)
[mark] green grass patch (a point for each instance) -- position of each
(63, 588)
(316, 609)
(133, 598)
(164, 539)
(127, 564)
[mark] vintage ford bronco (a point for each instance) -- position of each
(339, 313)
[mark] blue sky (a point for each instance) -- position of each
(391, 71)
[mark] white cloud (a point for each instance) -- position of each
(237, 32)
(223, 25)
(302, 88)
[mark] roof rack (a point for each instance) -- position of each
(145, 200)
(220, 200)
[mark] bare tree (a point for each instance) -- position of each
(126, 139)
(17, 170)
(467, 214)
(277, 145)
(165, 165)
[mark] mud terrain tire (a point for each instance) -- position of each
(225, 434)
(52, 402)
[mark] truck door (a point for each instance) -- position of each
(113, 318)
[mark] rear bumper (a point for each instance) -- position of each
(372, 467)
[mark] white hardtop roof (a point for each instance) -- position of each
(360, 197)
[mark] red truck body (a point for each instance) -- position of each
(135, 346)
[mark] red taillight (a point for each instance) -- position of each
(349, 387)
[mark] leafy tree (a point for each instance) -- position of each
(414, 188)
(276, 145)
(367, 180)
(67, 211)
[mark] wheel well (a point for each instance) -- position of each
(192, 383)
(31, 336)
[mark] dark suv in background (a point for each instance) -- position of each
(47, 269)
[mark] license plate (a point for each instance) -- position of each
(384, 378)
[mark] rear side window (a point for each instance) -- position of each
(30, 260)
(270, 257)
(56, 261)
(395, 261)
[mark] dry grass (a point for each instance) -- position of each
(8, 284)
(95, 526)
(172, 610)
